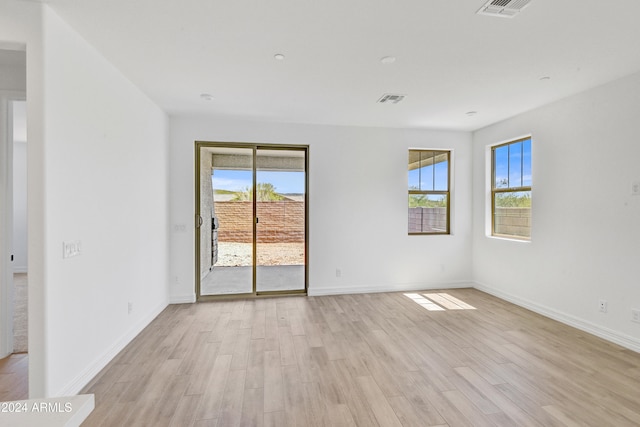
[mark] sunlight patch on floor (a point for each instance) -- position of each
(425, 303)
(449, 302)
(439, 302)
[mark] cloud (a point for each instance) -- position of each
(231, 184)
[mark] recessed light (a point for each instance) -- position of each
(388, 59)
(206, 96)
(471, 113)
(279, 56)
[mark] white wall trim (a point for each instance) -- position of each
(404, 287)
(78, 383)
(605, 333)
(20, 269)
(182, 299)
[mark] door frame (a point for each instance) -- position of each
(7, 97)
(197, 219)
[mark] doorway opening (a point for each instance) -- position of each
(19, 228)
(13, 224)
(251, 220)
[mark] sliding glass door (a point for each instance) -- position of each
(251, 219)
(226, 230)
(281, 225)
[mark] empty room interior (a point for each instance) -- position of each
(322, 213)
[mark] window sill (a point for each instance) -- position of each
(509, 239)
(429, 234)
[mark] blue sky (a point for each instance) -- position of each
(513, 161)
(238, 180)
(423, 178)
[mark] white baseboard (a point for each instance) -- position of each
(400, 287)
(182, 299)
(77, 384)
(20, 269)
(605, 333)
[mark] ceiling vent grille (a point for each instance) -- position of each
(503, 8)
(390, 98)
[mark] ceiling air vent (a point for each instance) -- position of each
(503, 8)
(389, 98)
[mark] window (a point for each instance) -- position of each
(429, 191)
(511, 189)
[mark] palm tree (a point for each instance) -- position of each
(266, 193)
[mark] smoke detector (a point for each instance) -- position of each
(503, 8)
(390, 98)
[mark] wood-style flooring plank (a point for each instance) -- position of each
(212, 398)
(294, 413)
(252, 407)
(255, 364)
(185, 412)
(378, 403)
(232, 401)
(273, 383)
(345, 379)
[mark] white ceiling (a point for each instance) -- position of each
(449, 60)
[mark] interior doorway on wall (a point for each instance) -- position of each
(13, 293)
(251, 211)
(19, 253)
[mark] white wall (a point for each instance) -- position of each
(106, 186)
(585, 242)
(357, 205)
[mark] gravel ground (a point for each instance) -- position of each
(239, 254)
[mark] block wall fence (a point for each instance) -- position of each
(513, 221)
(283, 221)
(278, 222)
(508, 221)
(427, 220)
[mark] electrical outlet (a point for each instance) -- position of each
(635, 188)
(338, 272)
(635, 315)
(130, 307)
(603, 306)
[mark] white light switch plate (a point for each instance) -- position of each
(71, 249)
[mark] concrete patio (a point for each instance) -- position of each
(238, 280)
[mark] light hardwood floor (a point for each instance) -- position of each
(14, 379)
(367, 360)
